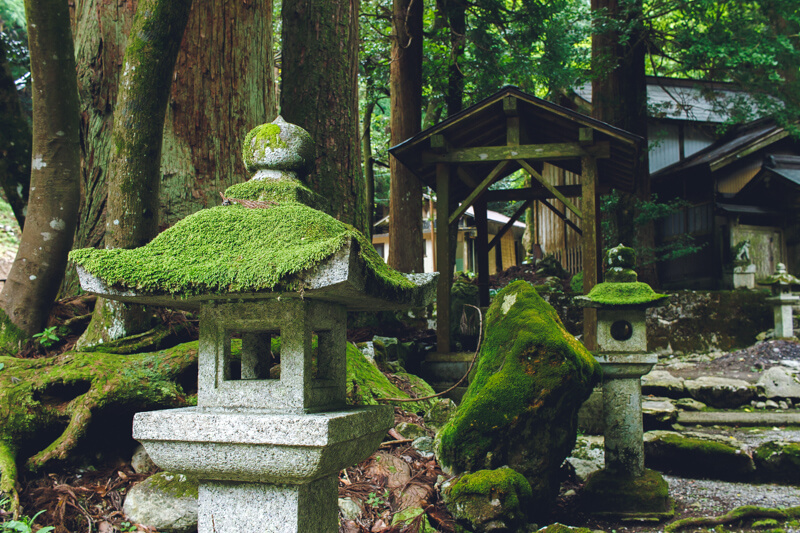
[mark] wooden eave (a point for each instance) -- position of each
(541, 123)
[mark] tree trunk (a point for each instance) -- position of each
(369, 165)
(319, 92)
(405, 83)
(135, 170)
(457, 18)
(619, 98)
(223, 86)
(15, 140)
(53, 207)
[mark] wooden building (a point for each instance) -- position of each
(461, 157)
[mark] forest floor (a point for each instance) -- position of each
(89, 496)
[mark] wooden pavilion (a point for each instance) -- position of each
(461, 157)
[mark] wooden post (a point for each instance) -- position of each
(482, 245)
(591, 246)
(443, 257)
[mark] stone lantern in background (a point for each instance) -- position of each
(624, 488)
(266, 446)
(782, 300)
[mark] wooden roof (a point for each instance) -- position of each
(541, 122)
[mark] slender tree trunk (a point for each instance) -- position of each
(405, 82)
(457, 18)
(53, 207)
(619, 98)
(369, 165)
(135, 170)
(15, 143)
(223, 86)
(319, 92)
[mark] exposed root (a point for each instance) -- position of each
(40, 395)
(740, 513)
(8, 479)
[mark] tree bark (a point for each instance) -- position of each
(369, 165)
(135, 169)
(619, 98)
(405, 83)
(53, 207)
(223, 86)
(15, 143)
(319, 92)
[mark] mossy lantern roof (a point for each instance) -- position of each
(257, 247)
(621, 288)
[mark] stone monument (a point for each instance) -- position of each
(782, 300)
(624, 488)
(744, 270)
(266, 448)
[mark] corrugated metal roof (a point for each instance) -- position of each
(484, 124)
(685, 99)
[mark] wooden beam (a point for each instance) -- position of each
(482, 251)
(562, 216)
(510, 106)
(549, 187)
(533, 193)
(510, 223)
(534, 152)
(443, 257)
(585, 136)
(478, 191)
(590, 241)
(467, 177)
(439, 144)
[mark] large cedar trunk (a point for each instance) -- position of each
(405, 81)
(619, 98)
(53, 207)
(319, 92)
(223, 86)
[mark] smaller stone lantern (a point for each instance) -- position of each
(266, 446)
(624, 488)
(782, 300)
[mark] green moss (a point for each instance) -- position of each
(614, 495)
(177, 485)
(8, 467)
(504, 484)
(281, 190)
(265, 135)
(529, 365)
(11, 337)
(366, 384)
(696, 456)
(234, 249)
(561, 528)
(779, 461)
(631, 293)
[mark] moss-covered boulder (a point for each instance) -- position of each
(366, 385)
(779, 462)
(490, 500)
(641, 497)
(521, 408)
(164, 501)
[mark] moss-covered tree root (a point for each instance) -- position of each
(744, 512)
(42, 398)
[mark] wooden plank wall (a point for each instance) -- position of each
(552, 234)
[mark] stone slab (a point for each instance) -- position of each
(778, 383)
(738, 418)
(260, 447)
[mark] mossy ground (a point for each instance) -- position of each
(234, 249)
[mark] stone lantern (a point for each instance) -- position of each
(266, 448)
(624, 487)
(782, 300)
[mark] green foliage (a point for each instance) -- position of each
(48, 337)
(24, 525)
(645, 212)
(377, 499)
(14, 36)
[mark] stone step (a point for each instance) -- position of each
(738, 418)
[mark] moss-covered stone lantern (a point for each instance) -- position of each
(266, 446)
(624, 487)
(782, 300)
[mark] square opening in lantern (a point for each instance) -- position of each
(252, 355)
